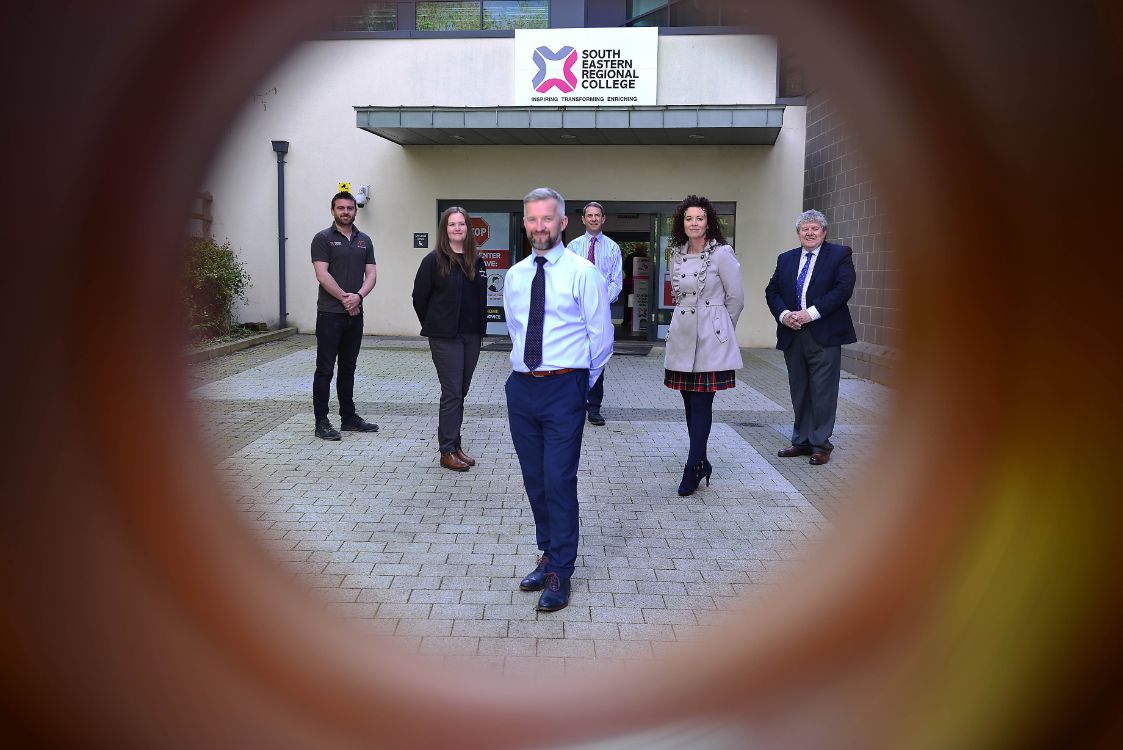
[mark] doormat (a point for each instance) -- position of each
(621, 348)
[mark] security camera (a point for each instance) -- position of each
(363, 196)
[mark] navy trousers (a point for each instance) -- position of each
(547, 418)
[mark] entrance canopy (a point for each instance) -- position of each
(561, 126)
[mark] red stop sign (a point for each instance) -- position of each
(480, 230)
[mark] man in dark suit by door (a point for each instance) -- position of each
(807, 295)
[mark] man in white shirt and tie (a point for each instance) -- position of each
(600, 250)
(558, 315)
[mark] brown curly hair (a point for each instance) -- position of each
(713, 226)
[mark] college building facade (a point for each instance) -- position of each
(425, 105)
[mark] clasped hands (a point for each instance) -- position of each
(352, 303)
(797, 319)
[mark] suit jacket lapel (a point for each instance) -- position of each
(821, 265)
(793, 273)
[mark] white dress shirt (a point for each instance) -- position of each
(806, 282)
(607, 257)
(577, 331)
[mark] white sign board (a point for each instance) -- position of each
(593, 67)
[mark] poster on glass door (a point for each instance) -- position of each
(493, 234)
(641, 293)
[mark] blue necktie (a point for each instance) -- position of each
(532, 348)
(801, 279)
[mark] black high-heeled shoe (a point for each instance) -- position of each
(688, 484)
(692, 476)
(704, 471)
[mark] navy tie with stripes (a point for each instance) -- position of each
(532, 348)
(799, 282)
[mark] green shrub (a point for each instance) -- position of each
(215, 280)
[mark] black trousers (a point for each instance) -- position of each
(338, 336)
(455, 359)
(814, 372)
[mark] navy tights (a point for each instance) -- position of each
(699, 418)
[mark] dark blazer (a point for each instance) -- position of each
(436, 297)
(829, 290)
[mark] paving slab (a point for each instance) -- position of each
(384, 536)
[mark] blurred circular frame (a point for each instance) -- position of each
(140, 612)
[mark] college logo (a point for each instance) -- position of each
(567, 81)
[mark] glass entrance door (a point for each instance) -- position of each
(664, 305)
(635, 297)
(643, 230)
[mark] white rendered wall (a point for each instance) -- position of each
(309, 102)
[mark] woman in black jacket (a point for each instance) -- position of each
(450, 297)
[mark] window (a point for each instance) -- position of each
(488, 14)
(516, 14)
(695, 13)
(655, 18)
(375, 17)
(639, 7)
(457, 16)
(686, 13)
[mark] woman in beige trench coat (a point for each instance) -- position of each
(702, 355)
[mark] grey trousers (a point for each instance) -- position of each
(455, 359)
(813, 375)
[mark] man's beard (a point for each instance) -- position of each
(550, 242)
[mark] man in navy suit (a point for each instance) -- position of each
(808, 294)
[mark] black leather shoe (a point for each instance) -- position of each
(595, 417)
(536, 579)
(358, 424)
(325, 431)
(556, 594)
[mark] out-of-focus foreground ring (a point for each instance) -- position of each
(969, 598)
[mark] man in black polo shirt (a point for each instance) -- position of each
(343, 258)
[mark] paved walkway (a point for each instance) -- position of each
(383, 535)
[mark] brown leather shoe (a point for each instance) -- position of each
(465, 457)
(794, 450)
(820, 457)
(452, 461)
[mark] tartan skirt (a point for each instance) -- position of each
(706, 382)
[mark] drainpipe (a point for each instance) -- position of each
(282, 148)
